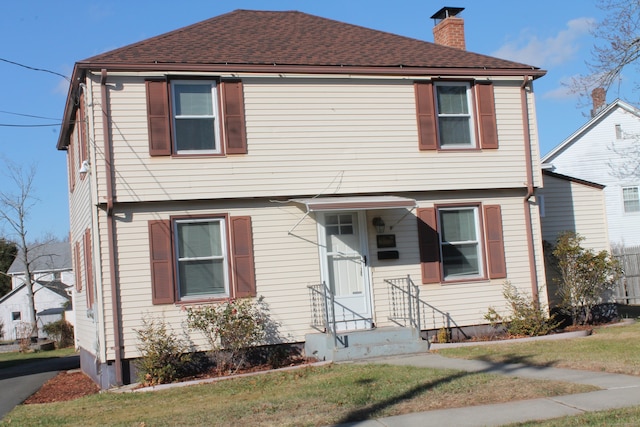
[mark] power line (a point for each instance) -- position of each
(27, 126)
(28, 115)
(44, 70)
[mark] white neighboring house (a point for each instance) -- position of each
(51, 267)
(606, 150)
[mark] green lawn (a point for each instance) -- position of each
(311, 396)
(349, 392)
(612, 349)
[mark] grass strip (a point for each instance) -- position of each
(610, 349)
(307, 397)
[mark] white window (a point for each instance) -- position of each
(195, 120)
(631, 199)
(201, 258)
(455, 127)
(459, 242)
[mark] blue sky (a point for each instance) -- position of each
(53, 35)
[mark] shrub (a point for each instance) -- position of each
(230, 329)
(165, 357)
(1, 329)
(585, 276)
(526, 317)
(61, 332)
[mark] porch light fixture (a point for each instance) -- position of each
(378, 223)
(84, 168)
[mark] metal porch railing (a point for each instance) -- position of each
(408, 310)
(325, 311)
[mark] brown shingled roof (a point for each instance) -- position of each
(246, 37)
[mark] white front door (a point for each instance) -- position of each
(344, 267)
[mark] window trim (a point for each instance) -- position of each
(224, 243)
(637, 199)
(480, 241)
(484, 120)
(231, 126)
(215, 97)
(491, 241)
(470, 115)
(241, 263)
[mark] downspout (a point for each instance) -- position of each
(529, 170)
(111, 241)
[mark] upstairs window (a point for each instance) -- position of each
(455, 128)
(631, 198)
(195, 119)
(456, 115)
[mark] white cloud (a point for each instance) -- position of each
(555, 50)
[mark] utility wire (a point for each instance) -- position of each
(28, 115)
(36, 69)
(27, 126)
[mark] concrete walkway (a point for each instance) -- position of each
(618, 391)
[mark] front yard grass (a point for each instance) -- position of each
(311, 396)
(610, 349)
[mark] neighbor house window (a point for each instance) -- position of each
(195, 117)
(631, 199)
(454, 115)
(201, 258)
(459, 242)
(16, 315)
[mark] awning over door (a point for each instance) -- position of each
(356, 203)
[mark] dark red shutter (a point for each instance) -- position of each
(78, 271)
(487, 116)
(426, 112)
(495, 242)
(88, 267)
(71, 158)
(244, 277)
(235, 132)
(158, 118)
(162, 283)
(429, 245)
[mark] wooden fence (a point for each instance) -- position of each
(628, 287)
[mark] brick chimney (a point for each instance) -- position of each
(449, 28)
(599, 97)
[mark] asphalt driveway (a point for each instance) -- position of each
(19, 382)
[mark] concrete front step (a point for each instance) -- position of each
(362, 344)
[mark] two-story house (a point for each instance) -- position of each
(285, 155)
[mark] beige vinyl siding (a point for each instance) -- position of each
(285, 265)
(306, 136)
(287, 261)
(571, 206)
(466, 303)
(80, 219)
